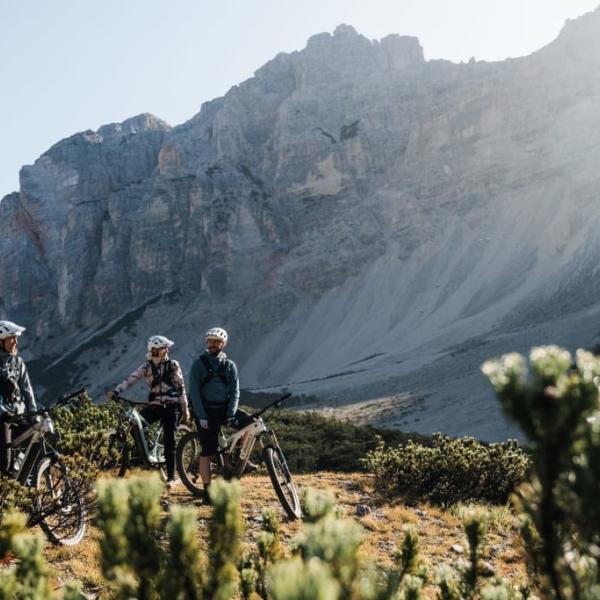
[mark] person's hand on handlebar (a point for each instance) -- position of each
(112, 394)
(11, 414)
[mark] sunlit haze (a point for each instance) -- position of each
(69, 66)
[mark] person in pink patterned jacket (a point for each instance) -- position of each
(166, 396)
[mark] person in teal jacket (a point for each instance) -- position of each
(214, 392)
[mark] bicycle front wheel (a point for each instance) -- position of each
(281, 478)
(62, 512)
(188, 462)
(125, 459)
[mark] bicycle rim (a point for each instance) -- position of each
(188, 462)
(62, 510)
(282, 482)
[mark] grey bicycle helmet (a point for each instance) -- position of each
(217, 333)
(159, 341)
(10, 329)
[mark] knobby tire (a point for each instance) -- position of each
(282, 482)
(62, 510)
(187, 460)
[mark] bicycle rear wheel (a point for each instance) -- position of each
(281, 478)
(62, 512)
(187, 459)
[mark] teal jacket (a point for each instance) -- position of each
(215, 393)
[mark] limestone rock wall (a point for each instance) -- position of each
(349, 200)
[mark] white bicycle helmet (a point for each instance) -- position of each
(10, 329)
(217, 333)
(159, 341)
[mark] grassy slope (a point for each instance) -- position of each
(439, 530)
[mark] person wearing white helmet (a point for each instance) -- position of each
(16, 394)
(214, 394)
(166, 394)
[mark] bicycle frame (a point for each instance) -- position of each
(35, 435)
(249, 435)
(254, 431)
(138, 425)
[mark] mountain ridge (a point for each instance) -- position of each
(349, 200)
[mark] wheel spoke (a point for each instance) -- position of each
(61, 509)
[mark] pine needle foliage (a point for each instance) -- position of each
(449, 471)
(555, 402)
(185, 568)
(28, 577)
(226, 529)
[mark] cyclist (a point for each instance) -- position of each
(167, 397)
(16, 393)
(214, 393)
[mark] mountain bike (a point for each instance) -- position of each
(59, 506)
(233, 454)
(134, 433)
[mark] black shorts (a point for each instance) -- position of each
(209, 438)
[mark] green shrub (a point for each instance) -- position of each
(82, 428)
(312, 442)
(14, 496)
(137, 564)
(184, 557)
(226, 530)
(450, 471)
(129, 517)
(296, 579)
(28, 578)
(557, 406)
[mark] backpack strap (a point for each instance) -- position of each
(165, 377)
(211, 372)
(9, 386)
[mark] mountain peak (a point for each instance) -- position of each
(137, 124)
(346, 30)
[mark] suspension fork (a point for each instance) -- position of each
(33, 453)
(273, 443)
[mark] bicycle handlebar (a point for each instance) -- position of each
(64, 399)
(276, 404)
(130, 402)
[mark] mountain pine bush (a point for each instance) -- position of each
(28, 577)
(14, 496)
(449, 471)
(556, 404)
(312, 442)
(82, 429)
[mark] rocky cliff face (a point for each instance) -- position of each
(367, 224)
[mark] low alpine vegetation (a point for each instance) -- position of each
(148, 557)
(449, 471)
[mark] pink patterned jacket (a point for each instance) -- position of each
(158, 393)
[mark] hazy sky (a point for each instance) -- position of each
(70, 65)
